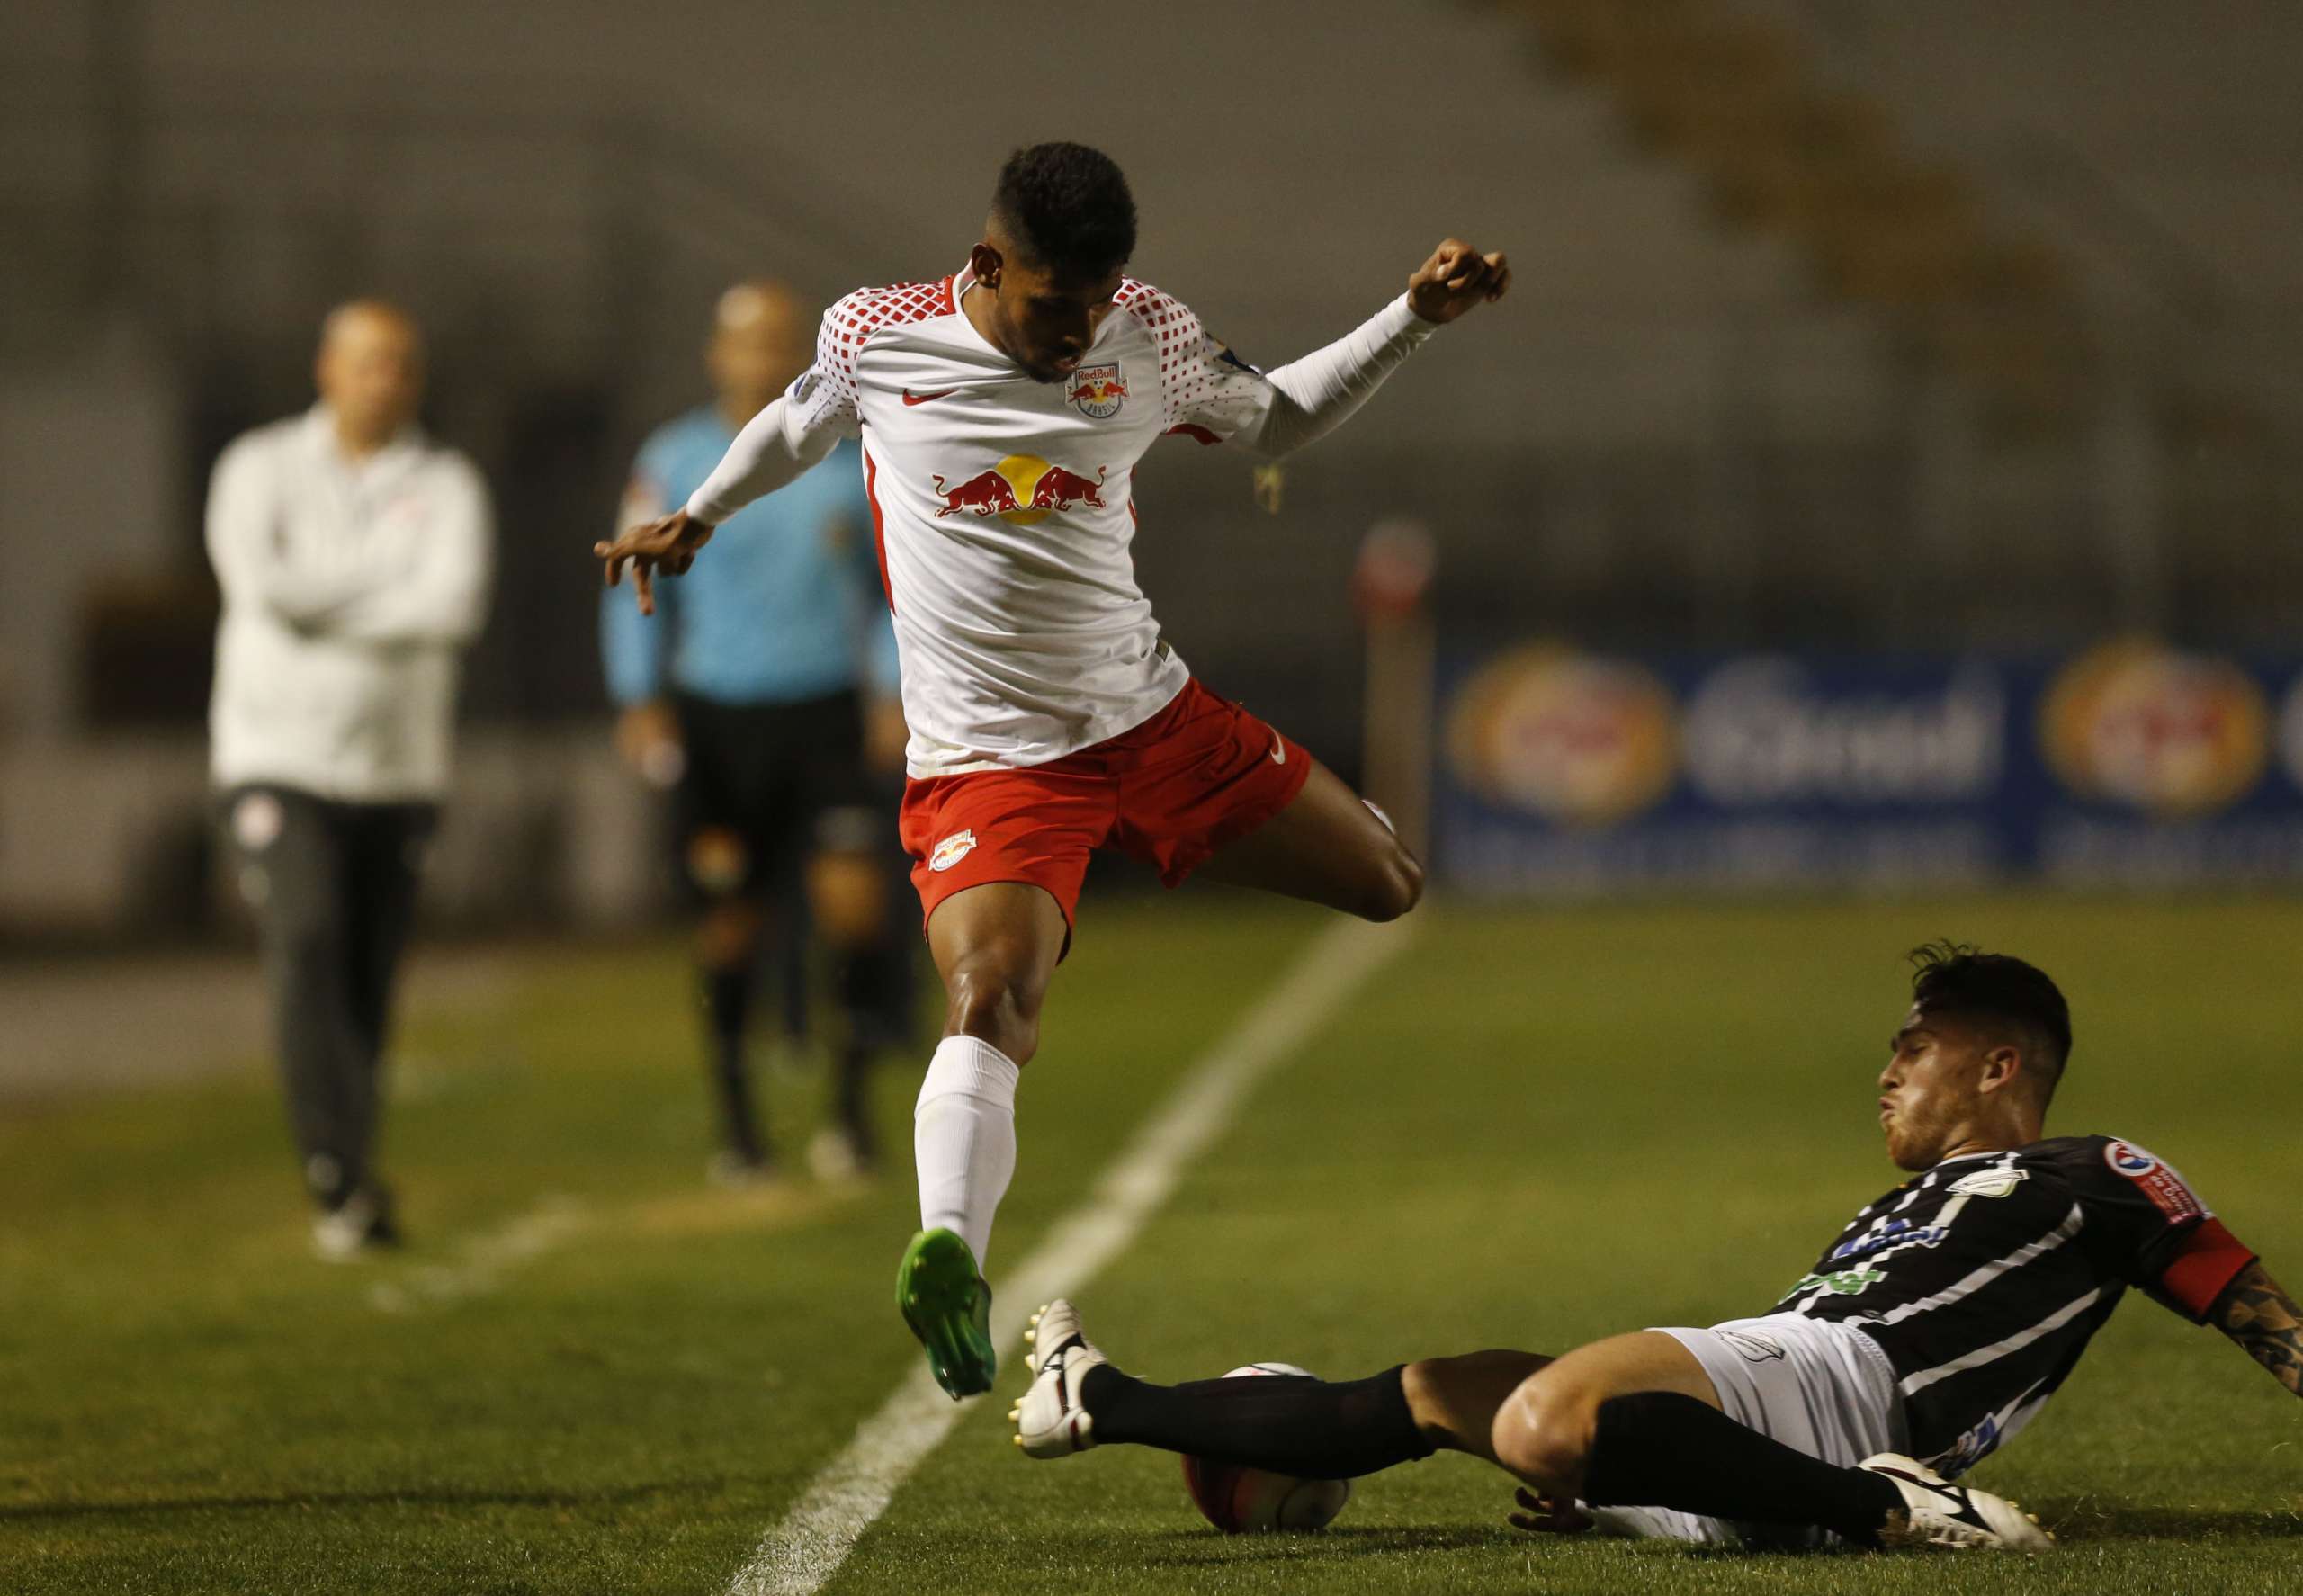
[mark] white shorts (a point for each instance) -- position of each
(1822, 1387)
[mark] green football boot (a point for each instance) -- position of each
(943, 1298)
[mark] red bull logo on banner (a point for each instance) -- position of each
(2175, 735)
(1097, 391)
(1574, 738)
(1022, 488)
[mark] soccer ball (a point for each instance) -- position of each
(1254, 1500)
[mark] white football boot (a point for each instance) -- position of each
(1939, 1513)
(1049, 1419)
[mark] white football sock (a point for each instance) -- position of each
(963, 1138)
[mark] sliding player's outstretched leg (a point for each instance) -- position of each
(1310, 1428)
(996, 945)
(1051, 1418)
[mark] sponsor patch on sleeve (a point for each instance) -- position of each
(2158, 1181)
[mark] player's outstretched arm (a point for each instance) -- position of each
(1308, 398)
(773, 448)
(2265, 1322)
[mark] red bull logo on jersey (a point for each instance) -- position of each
(1097, 391)
(1022, 488)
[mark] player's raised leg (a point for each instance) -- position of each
(1327, 846)
(996, 947)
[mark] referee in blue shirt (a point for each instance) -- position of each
(766, 698)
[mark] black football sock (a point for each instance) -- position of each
(1659, 1448)
(1313, 1428)
(727, 1000)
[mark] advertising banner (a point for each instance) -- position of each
(1564, 772)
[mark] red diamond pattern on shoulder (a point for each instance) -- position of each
(1187, 369)
(848, 324)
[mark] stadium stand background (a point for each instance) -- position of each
(1835, 322)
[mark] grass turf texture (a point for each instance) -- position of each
(590, 1375)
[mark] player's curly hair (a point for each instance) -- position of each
(1953, 978)
(1067, 207)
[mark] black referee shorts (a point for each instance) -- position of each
(765, 786)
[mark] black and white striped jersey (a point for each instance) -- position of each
(1983, 1279)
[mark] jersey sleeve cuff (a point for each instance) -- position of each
(2209, 1260)
(704, 510)
(1398, 319)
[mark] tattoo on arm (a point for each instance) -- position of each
(2253, 1312)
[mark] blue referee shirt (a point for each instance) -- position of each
(787, 604)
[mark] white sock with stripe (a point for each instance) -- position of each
(963, 1138)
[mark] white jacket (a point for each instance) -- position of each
(349, 590)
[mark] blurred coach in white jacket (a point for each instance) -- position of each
(353, 553)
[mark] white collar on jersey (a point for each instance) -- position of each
(1964, 1157)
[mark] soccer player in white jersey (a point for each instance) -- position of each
(1002, 411)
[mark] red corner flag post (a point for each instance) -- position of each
(1390, 585)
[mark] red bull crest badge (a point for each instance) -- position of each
(1022, 488)
(1097, 391)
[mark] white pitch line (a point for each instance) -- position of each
(482, 1260)
(807, 1548)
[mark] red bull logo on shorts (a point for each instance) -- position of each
(1097, 391)
(1574, 738)
(2175, 735)
(1022, 488)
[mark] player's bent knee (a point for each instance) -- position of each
(994, 1007)
(1543, 1434)
(1398, 888)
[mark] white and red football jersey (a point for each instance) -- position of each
(1003, 507)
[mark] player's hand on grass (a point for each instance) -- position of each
(669, 545)
(1455, 277)
(1545, 1516)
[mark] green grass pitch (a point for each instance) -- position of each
(591, 1374)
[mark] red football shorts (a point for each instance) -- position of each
(1200, 773)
